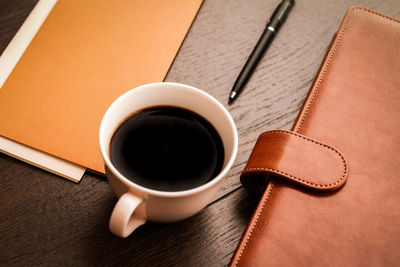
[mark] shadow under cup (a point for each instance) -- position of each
(165, 206)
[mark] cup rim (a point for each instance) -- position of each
(160, 193)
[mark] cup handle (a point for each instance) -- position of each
(126, 216)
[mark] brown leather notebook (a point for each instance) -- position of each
(332, 184)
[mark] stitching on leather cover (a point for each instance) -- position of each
(254, 225)
(314, 94)
(378, 14)
(337, 44)
(303, 181)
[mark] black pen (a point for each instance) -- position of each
(275, 22)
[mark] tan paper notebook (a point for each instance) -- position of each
(83, 57)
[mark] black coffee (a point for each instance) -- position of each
(167, 148)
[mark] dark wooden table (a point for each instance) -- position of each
(46, 220)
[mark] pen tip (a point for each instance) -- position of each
(232, 97)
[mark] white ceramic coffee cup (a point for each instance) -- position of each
(136, 203)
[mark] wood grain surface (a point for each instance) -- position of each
(49, 221)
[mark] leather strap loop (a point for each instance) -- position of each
(297, 158)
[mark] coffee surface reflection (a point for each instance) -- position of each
(167, 148)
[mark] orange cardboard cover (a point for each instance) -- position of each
(85, 55)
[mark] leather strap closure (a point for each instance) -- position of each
(298, 158)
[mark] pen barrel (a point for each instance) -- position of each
(278, 17)
(251, 63)
(259, 50)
